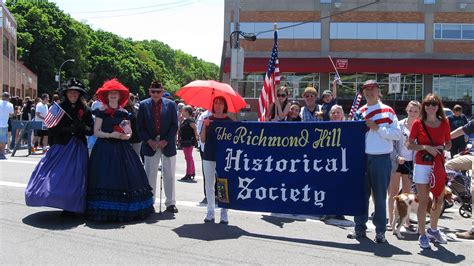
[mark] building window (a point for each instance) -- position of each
(377, 31)
(430, 1)
(411, 85)
(325, 1)
(452, 31)
(454, 87)
(310, 30)
(252, 83)
(12, 52)
(6, 45)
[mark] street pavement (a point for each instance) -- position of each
(40, 236)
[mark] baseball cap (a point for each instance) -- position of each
(370, 82)
(6, 94)
(327, 92)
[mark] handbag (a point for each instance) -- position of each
(438, 175)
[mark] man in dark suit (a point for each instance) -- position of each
(157, 123)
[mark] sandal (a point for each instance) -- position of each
(410, 228)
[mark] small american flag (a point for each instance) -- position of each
(55, 113)
(272, 78)
(355, 105)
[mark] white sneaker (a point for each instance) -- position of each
(224, 217)
(209, 217)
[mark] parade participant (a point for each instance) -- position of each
(336, 113)
(430, 136)
(382, 130)
(6, 110)
(311, 111)
(281, 107)
(118, 188)
(403, 159)
(41, 112)
(59, 179)
(464, 163)
(294, 113)
(157, 122)
(188, 137)
(219, 113)
(199, 122)
(456, 120)
(329, 100)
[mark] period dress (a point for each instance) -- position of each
(59, 179)
(118, 188)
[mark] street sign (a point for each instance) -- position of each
(56, 78)
(342, 63)
(394, 83)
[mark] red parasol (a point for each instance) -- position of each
(201, 93)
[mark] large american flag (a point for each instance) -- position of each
(272, 79)
(55, 113)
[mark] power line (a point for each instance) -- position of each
(127, 9)
(301, 23)
(144, 12)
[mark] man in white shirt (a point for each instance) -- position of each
(382, 130)
(41, 112)
(6, 111)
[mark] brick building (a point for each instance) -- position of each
(430, 42)
(15, 77)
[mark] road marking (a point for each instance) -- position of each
(18, 161)
(12, 184)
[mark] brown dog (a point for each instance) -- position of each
(407, 203)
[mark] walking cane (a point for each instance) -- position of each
(161, 179)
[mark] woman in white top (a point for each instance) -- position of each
(403, 159)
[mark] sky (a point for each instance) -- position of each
(193, 26)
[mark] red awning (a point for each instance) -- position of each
(405, 66)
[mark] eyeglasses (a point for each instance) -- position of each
(281, 95)
(309, 96)
(433, 103)
(156, 91)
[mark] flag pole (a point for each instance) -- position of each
(335, 69)
(63, 110)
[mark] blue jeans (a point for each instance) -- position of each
(376, 181)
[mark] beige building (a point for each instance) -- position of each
(429, 42)
(15, 77)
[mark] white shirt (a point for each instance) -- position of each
(379, 141)
(199, 123)
(42, 109)
(401, 148)
(6, 109)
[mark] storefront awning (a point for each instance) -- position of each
(405, 66)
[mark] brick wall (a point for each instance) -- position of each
(365, 16)
(454, 17)
(464, 47)
(283, 45)
(278, 16)
(376, 46)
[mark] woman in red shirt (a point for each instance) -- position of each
(429, 152)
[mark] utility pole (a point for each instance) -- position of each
(237, 53)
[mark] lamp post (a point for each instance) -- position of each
(59, 72)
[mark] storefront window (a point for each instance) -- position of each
(454, 88)
(411, 85)
(252, 83)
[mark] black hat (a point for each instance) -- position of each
(74, 84)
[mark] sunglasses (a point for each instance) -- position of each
(281, 95)
(156, 91)
(433, 103)
(309, 96)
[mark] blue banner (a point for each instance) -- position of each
(291, 167)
